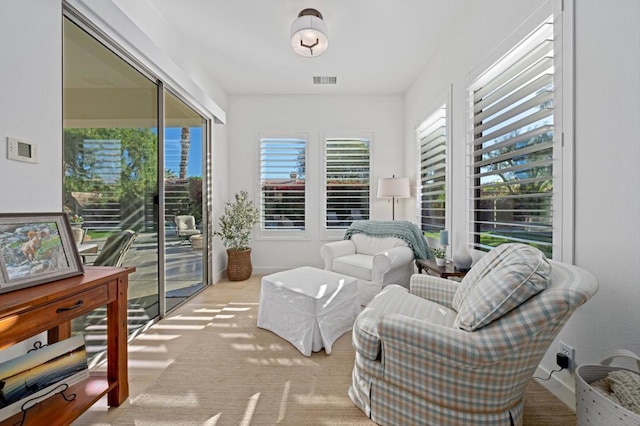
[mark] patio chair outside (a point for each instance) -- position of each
(115, 248)
(186, 226)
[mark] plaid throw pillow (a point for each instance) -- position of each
(500, 281)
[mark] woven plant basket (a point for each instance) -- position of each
(239, 264)
(595, 409)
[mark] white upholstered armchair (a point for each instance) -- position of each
(376, 253)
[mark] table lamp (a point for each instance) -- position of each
(393, 188)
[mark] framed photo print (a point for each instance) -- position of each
(36, 248)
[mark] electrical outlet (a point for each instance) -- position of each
(569, 352)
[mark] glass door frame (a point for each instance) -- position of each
(162, 252)
(78, 19)
(206, 211)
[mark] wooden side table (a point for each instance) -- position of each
(432, 268)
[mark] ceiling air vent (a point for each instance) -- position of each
(324, 80)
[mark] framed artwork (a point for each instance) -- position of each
(36, 248)
(41, 373)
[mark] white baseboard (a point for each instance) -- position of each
(267, 270)
(256, 271)
(219, 275)
(562, 386)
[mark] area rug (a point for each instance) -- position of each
(237, 374)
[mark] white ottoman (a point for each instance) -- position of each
(308, 307)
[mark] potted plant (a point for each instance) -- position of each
(440, 254)
(76, 220)
(234, 227)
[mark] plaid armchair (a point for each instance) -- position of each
(423, 358)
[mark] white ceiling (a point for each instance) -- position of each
(375, 46)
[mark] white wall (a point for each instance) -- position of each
(607, 151)
(220, 194)
(250, 115)
(607, 175)
(30, 109)
(31, 103)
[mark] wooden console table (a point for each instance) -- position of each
(51, 307)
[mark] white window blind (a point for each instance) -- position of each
(282, 183)
(431, 136)
(512, 148)
(347, 181)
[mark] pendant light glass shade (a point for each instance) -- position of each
(309, 34)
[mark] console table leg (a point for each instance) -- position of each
(117, 333)
(58, 333)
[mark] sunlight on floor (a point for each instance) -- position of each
(186, 318)
(147, 349)
(281, 362)
(148, 364)
(282, 411)
(321, 400)
(159, 346)
(220, 316)
(251, 408)
(237, 335)
(177, 327)
(213, 421)
(207, 310)
(220, 325)
(247, 347)
(188, 400)
(158, 336)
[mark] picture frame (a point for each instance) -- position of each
(41, 373)
(36, 248)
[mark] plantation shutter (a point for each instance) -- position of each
(105, 175)
(282, 182)
(432, 185)
(347, 180)
(511, 153)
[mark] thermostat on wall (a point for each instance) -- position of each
(21, 151)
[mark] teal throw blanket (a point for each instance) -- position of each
(402, 229)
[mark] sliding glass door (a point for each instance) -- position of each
(134, 160)
(110, 142)
(184, 192)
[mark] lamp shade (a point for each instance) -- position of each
(394, 188)
(309, 34)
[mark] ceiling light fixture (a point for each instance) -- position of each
(309, 34)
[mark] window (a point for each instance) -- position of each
(347, 181)
(431, 191)
(282, 183)
(511, 152)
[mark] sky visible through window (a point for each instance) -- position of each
(281, 157)
(172, 144)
